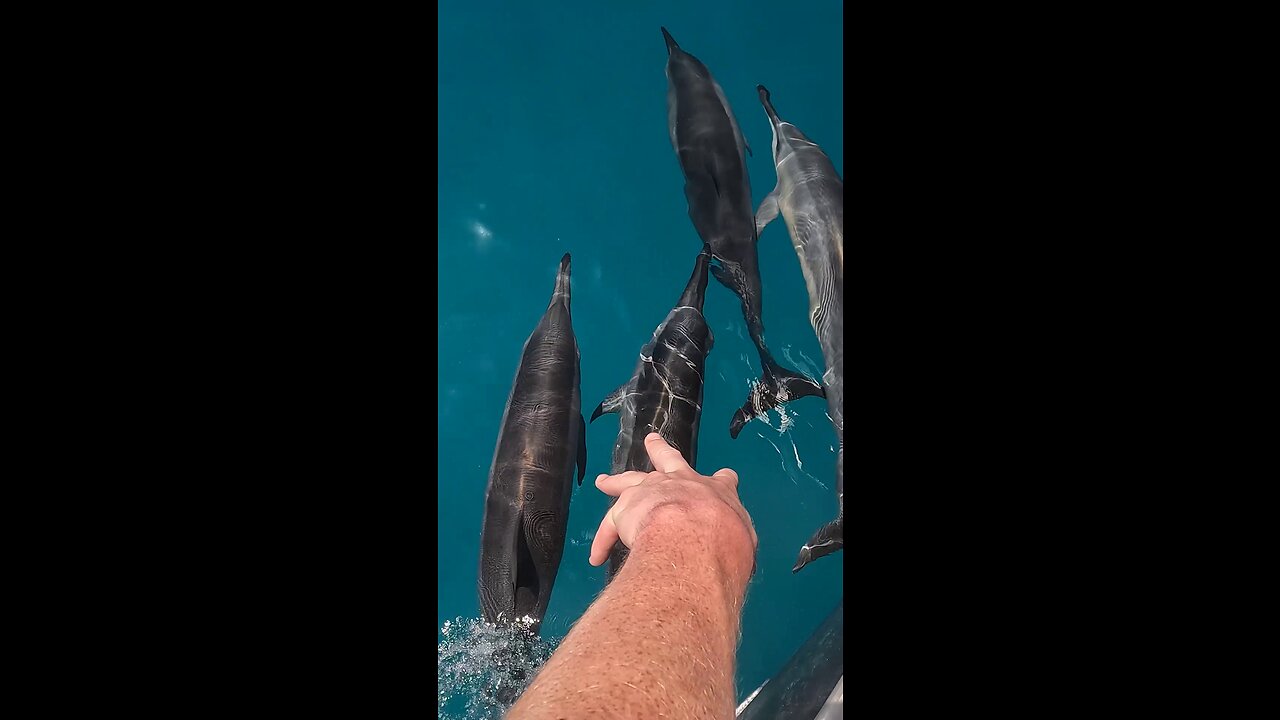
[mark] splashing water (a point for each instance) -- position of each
(482, 668)
(786, 418)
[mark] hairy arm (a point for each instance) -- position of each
(660, 640)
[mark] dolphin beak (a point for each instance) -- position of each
(562, 278)
(767, 102)
(671, 42)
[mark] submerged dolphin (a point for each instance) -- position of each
(810, 196)
(710, 148)
(665, 393)
(811, 685)
(526, 506)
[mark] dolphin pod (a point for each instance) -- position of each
(542, 436)
(709, 146)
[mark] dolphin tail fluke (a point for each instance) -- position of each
(828, 539)
(778, 386)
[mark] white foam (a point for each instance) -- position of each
(475, 660)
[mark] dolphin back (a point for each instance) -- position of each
(664, 394)
(540, 441)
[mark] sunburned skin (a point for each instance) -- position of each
(659, 641)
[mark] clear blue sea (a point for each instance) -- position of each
(553, 139)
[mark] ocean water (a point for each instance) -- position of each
(553, 139)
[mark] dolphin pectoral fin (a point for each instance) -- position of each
(828, 539)
(793, 384)
(613, 401)
(768, 211)
(778, 387)
(582, 448)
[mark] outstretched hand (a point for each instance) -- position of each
(673, 484)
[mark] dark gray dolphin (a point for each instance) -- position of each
(710, 148)
(810, 196)
(526, 507)
(664, 395)
(811, 685)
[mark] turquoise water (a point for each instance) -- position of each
(553, 139)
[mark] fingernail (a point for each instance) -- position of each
(600, 477)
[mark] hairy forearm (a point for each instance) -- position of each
(660, 639)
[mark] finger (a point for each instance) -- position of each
(606, 536)
(666, 459)
(615, 484)
(727, 475)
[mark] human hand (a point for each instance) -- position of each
(711, 500)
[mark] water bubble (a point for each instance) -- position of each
(482, 668)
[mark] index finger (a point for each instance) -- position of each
(615, 484)
(666, 459)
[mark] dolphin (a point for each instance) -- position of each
(664, 394)
(526, 505)
(811, 685)
(710, 146)
(810, 197)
